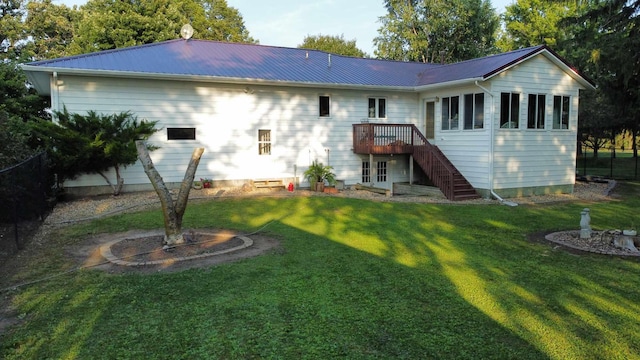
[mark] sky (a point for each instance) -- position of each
(287, 22)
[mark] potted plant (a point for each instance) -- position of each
(197, 185)
(206, 183)
(317, 174)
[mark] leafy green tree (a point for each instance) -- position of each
(111, 24)
(333, 44)
(221, 22)
(537, 22)
(12, 30)
(436, 30)
(92, 143)
(50, 27)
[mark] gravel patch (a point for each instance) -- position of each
(90, 208)
(600, 242)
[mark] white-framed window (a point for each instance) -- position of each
(377, 108)
(450, 112)
(561, 107)
(509, 110)
(366, 172)
(381, 171)
(474, 111)
(324, 106)
(536, 111)
(264, 142)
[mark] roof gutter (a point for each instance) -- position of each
(448, 83)
(491, 157)
(201, 78)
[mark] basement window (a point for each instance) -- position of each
(181, 133)
(264, 142)
(366, 172)
(381, 168)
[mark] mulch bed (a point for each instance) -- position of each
(150, 248)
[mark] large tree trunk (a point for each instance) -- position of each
(172, 211)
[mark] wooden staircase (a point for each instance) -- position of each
(407, 139)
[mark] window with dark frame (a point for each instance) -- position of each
(536, 111)
(264, 142)
(324, 106)
(377, 108)
(450, 112)
(561, 112)
(509, 110)
(473, 111)
(381, 173)
(181, 133)
(366, 172)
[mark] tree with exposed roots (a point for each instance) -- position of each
(172, 211)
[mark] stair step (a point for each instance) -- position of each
(466, 197)
(268, 183)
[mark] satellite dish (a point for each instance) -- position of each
(186, 32)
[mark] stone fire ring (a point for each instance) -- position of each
(105, 250)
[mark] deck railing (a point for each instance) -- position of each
(406, 139)
(382, 138)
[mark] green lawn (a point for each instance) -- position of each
(622, 167)
(352, 279)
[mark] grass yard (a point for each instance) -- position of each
(352, 279)
(622, 167)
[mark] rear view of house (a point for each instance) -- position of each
(504, 124)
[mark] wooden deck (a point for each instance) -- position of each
(387, 139)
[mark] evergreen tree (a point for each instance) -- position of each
(92, 143)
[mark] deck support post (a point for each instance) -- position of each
(372, 169)
(411, 169)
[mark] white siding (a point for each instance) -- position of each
(227, 119)
(468, 150)
(521, 157)
(535, 158)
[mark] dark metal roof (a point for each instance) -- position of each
(212, 59)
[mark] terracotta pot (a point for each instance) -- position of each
(330, 190)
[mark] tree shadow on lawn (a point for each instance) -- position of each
(351, 279)
(565, 306)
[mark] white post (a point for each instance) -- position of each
(411, 169)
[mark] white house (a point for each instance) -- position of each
(505, 124)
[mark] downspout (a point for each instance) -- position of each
(491, 158)
(55, 92)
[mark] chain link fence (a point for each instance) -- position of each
(23, 202)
